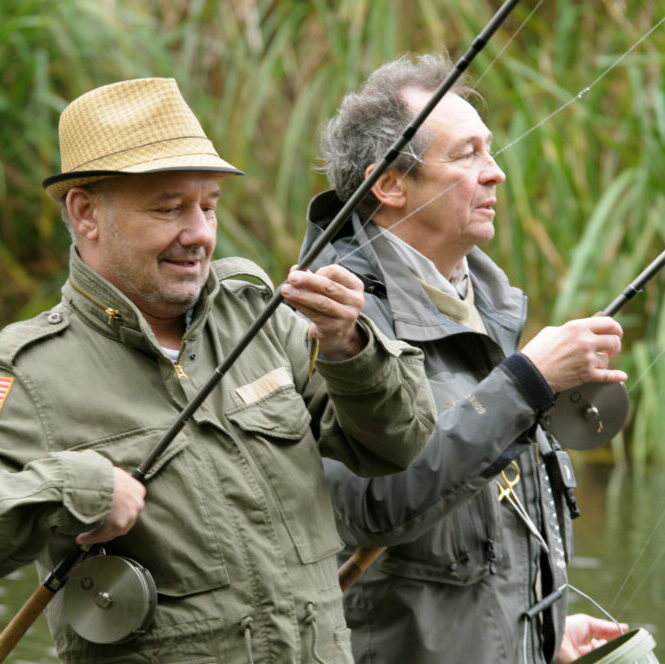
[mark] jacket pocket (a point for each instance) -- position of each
(461, 549)
(276, 432)
(174, 538)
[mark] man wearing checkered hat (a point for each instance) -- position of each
(236, 529)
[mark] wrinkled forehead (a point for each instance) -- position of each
(453, 118)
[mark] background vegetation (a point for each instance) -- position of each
(582, 212)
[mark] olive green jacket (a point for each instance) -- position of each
(238, 530)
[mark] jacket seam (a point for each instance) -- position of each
(32, 393)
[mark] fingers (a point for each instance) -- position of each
(600, 324)
(332, 298)
(324, 290)
(128, 502)
(577, 352)
(605, 629)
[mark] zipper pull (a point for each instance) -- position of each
(111, 314)
(177, 365)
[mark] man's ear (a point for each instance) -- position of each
(82, 212)
(389, 189)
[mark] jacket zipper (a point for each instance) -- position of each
(111, 313)
(491, 556)
(180, 372)
(490, 544)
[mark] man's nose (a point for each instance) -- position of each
(199, 228)
(492, 173)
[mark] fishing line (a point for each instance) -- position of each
(581, 593)
(653, 531)
(539, 124)
(509, 42)
(587, 89)
(646, 575)
(634, 567)
(419, 160)
(647, 370)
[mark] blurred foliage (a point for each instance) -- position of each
(582, 212)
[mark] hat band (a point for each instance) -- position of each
(144, 146)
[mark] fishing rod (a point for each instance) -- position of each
(574, 419)
(58, 577)
(636, 286)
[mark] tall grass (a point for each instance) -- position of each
(582, 211)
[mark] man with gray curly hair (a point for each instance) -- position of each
(352, 138)
(462, 563)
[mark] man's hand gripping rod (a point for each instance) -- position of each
(26, 616)
(362, 559)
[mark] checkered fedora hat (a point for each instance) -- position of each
(138, 126)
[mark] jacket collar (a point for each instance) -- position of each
(361, 249)
(111, 313)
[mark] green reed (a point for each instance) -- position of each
(582, 211)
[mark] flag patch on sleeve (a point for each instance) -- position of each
(5, 387)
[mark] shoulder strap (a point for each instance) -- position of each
(237, 267)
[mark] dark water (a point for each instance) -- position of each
(619, 561)
(36, 646)
(620, 547)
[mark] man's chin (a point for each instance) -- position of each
(184, 300)
(177, 300)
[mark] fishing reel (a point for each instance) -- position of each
(588, 416)
(109, 599)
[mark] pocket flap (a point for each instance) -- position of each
(129, 449)
(280, 414)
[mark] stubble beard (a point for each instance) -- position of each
(143, 284)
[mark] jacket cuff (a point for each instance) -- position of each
(531, 382)
(363, 371)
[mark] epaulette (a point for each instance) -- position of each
(241, 268)
(17, 336)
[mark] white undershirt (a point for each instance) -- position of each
(171, 353)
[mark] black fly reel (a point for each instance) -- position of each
(588, 416)
(109, 599)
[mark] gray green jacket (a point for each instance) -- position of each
(461, 567)
(238, 530)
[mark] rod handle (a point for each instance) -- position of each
(354, 567)
(23, 620)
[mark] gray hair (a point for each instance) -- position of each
(368, 122)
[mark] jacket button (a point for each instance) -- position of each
(54, 318)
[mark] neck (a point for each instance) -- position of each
(448, 267)
(446, 257)
(169, 331)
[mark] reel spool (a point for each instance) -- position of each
(588, 416)
(634, 647)
(109, 599)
